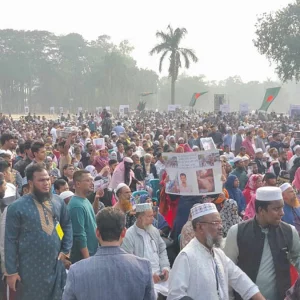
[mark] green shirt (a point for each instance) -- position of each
(84, 227)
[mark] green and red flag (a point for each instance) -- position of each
(269, 98)
(195, 97)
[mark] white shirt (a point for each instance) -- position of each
(54, 134)
(194, 275)
(229, 156)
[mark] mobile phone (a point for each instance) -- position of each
(161, 276)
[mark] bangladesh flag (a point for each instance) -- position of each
(270, 96)
(195, 97)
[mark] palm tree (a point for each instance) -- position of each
(171, 44)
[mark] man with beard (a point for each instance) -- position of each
(83, 219)
(264, 247)
(202, 270)
(38, 239)
(123, 195)
(144, 240)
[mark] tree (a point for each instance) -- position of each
(170, 44)
(278, 37)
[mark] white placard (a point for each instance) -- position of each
(124, 109)
(26, 109)
(225, 108)
(244, 108)
(173, 107)
(193, 173)
(52, 110)
(99, 144)
(61, 109)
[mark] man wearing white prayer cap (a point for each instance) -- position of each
(264, 247)
(202, 270)
(291, 206)
(144, 240)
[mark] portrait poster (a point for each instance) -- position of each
(193, 173)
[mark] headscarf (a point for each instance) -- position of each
(235, 193)
(229, 215)
(294, 168)
(119, 175)
(250, 188)
(179, 149)
(250, 209)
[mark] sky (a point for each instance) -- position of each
(220, 32)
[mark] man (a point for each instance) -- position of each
(259, 161)
(259, 141)
(228, 138)
(119, 128)
(240, 172)
(247, 143)
(277, 143)
(11, 193)
(8, 143)
(283, 160)
(202, 270)
(36, 260)
(183, 186)
(291, 205)
(82, 215)
(237, 141)
(68, 171)
(144, 240)
(297, 154)
(92, 124)
(160, 165)
(216, 136)
(264, 247)
(181, 133)
(270, 179)
(229, 155)
(63, 148)
(38, 151)
(120, 152)
(60, 186)
(91, 278)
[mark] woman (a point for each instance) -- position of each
(294, 174)
(229, 215)
(255, 182)
(232, 187)
(101, 161)
(123, 174)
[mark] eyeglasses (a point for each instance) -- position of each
(215, 223)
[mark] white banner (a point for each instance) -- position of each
(124, 109)
(225, 108)
(244, 108)
(173, 107)
(193, 173)
(294, 110)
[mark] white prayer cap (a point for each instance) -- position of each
(203, 209)
(120, 185)
(285, 186)
(66, 194)
(241, 128)
(296, 147)
(195, 147)
(268, 193)
(236, 159)
(258, 150)
(143, 207)
(128, 159)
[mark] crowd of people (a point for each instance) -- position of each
(83, 220)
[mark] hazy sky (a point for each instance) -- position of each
(221, 32)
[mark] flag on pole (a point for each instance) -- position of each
(270, 96)
(195, 97)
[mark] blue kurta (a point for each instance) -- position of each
(32, 246)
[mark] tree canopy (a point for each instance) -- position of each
(278, 37)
